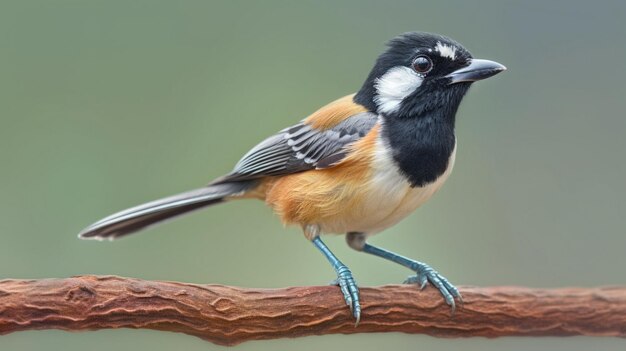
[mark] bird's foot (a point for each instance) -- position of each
(350, 291)
(426, 274)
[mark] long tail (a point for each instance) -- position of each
(139, 217)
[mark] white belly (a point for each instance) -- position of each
(390, 197)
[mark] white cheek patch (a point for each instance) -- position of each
(395, 85)
(446, 50)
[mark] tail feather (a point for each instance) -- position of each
(139, 217)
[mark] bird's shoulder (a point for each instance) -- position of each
(334, 113)
(318, 141)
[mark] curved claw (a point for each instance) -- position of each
(350, 291)
(425, 274)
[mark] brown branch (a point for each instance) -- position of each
(227, 315)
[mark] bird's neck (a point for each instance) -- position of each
(421, 145)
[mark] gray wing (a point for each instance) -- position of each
(300, 148)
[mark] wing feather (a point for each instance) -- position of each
(301, 147)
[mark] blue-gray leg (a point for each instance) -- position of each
(424, 273)
(344, 279)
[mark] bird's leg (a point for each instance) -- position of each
(424, 273)
(344, 276)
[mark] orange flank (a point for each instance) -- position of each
(325, 195)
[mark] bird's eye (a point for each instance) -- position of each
(422, 64)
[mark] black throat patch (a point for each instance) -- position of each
(421, 147)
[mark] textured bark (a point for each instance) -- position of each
(227, 315)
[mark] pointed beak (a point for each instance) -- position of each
(477, 70)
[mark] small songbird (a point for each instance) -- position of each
(355, 166)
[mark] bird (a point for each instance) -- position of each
(356, 166)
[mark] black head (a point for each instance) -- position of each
(421, 72)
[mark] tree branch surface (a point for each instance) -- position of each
(229, 315)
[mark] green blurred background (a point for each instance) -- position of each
(107, 104)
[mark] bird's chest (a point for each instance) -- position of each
(368, 192)
(390, 194)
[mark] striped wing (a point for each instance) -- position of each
(301, 147)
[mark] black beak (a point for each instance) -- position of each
(477, 70)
